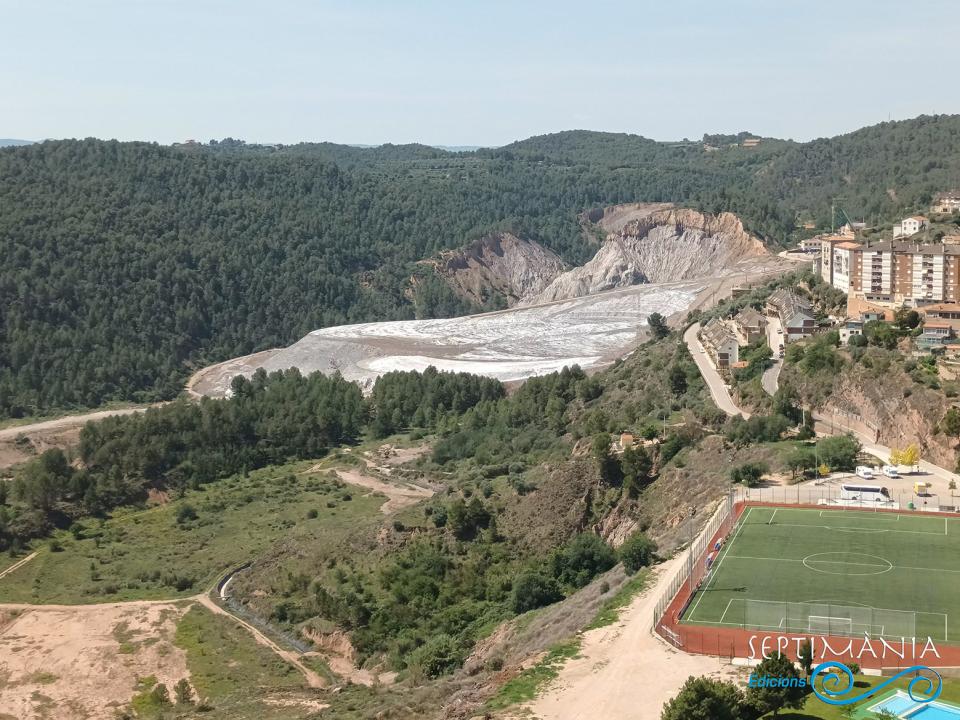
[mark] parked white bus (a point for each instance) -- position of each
(869, 493)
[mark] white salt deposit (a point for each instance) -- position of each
(508, 345)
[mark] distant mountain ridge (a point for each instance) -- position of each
(146, 260)
(12, 142)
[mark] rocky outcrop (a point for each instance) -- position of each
(498, 264)
(889, 407)
(656, 246)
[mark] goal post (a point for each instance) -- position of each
(827, 625)
(821, 618)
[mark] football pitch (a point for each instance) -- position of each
(835, 572)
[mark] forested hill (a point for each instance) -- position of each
(126, 264)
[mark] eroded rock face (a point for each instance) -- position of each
(499, 264)
(659, 245)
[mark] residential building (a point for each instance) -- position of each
(910, 226)
(948, 313)
(751, 142)
(626, 440)
(721, 344)
(850, 328)
(934, 335)
(811, 245)
(900, 273)
(946, 202)
(795, 313)
(827, 243)
(749, 326)
(845, 264)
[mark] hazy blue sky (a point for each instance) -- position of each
(472, 73)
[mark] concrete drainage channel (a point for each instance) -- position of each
(224, 598)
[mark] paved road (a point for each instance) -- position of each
(771, 376)
(718, 388)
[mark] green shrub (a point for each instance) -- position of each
(749, 474)
(580, 560)
(637, 552)
(532, 590)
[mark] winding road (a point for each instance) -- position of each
(718, 388)
(771, 376)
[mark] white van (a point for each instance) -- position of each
(865, 472)
(891, 471)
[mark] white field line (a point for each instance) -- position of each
(729, 602)
(770, 521)
(860, 514)
(840, 562)
(827, 602)
(716, 570)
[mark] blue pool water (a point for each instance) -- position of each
(897, 705)
(936, 711)
(902, 706)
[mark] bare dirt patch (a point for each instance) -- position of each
(604, 680)
(84, 662)
(399, 494)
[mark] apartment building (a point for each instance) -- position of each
(904, 273)
(827, 245)
(846, 264)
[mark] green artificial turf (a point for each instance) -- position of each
(859, 569)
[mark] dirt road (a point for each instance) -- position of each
(312, 678)
(624, 671)
(59, 432)
(69, 421)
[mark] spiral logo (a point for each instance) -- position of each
(836, 684)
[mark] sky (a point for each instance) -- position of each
(459, 72)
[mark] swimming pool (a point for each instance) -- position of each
(897, 704)
(935, 711)
(902, 706)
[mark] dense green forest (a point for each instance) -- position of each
(267, 420)
(125, 265)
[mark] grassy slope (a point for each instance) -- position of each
(232, 676)
(912, 544)
(237, 519)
